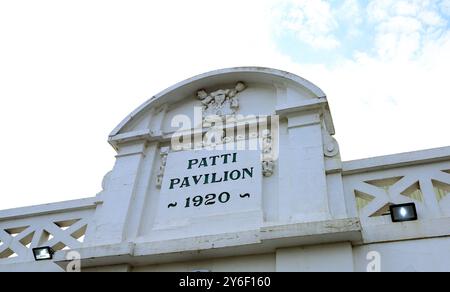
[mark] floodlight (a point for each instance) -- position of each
(403, 212)
(43, 253)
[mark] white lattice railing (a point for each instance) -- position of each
(425, 184)
(61, 226)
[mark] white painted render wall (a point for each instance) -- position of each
(420, 255)
(308, 220)
(255, 263)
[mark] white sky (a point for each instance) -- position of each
(70, 71)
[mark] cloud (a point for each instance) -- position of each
(444, 6)
(391, 29)
(383, 107)
(391, 94)
(350, 10)
(403, 26)
(312, 21)
(398, 37)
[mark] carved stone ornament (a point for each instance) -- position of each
(223, 102)
(159, 177)
(330, 145)
(268, 167)
(268, 164)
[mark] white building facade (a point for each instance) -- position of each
(238, 170)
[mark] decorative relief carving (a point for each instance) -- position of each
(268, 163)
(159, 177)
(268, 167)
(267, 143)
(222, 102)
(330, 145)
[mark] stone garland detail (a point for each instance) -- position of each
(268, 163)
(159, 177)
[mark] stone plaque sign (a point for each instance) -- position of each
(207, 183)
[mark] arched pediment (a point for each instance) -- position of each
(268, 90)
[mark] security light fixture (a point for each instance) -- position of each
(403, 212)
(43, 253)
